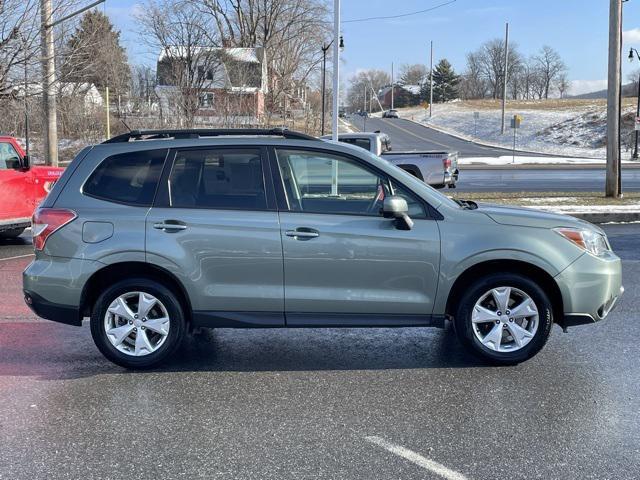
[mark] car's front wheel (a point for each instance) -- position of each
(137, 323)
(505, 318)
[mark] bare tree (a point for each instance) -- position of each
(563, 84)
(549, 66)
(291, 32)
(19, 41)
(415, 74)
(367, 80)
(183, 37)
(473, 83)
(490, 63)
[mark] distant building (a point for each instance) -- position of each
(88, 92)
(230, 81)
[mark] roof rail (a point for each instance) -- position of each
(205, 132)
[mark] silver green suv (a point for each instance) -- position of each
(154, 233)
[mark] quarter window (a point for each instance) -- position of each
(219, 178)
(129, 178)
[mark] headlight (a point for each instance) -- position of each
(588, 240)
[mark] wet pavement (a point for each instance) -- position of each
(297, 404)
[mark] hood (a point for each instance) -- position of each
(47, 173)
(529, 217)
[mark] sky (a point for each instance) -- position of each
(577, 29)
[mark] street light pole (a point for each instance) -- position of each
(336, 68)
(635, 150)
(324, 72)
(26, 102)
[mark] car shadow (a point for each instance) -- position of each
(56, 352)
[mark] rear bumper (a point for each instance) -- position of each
(591, 288)
(53, 287)
(67, 314)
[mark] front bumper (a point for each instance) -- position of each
(590, 287)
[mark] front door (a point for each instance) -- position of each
(343, 262)
(16, 186)
(216, 226)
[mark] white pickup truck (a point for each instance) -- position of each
(436, 168)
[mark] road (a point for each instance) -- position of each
(320, 404)
(406, 135)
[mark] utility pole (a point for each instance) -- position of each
(431, 83)
(392, 86)
(364, 108)
(49, 75)
(506, 67)
(635, 150)
(613, 100)
(336, 68)
(48, 84)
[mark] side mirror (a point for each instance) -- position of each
(13, 163)
(26, 162)
(396, 207)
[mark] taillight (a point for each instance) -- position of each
(446, 163)
(46, 221)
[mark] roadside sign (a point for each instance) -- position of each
(637, 124)
(516, 121)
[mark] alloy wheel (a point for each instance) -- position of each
(137, 323)
(505, 319)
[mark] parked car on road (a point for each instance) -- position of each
(22, 187)
(390, 114)
(151, 234)
(434, 167)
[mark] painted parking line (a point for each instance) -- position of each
(17, 256)
(416, 458)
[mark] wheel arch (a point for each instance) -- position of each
(413, 170)
(535, 273)
(122, 270)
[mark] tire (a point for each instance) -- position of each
(438, 186)
(13, 233)
(512, 353)
(167, 305)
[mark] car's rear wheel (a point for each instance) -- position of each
(505, 318)
(137, 323)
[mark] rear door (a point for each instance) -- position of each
(215, 225)
(343, 262)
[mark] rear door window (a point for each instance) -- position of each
(229, 178)
(130, 178)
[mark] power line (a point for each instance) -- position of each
(398, 16)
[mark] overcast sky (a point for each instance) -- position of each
(578, 29)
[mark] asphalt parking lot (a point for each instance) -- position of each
(330, 404)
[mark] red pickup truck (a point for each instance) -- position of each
(22, 187)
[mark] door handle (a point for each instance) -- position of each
(302, 233)
(169, 226)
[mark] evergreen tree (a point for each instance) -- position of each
(445, 82)
(94, 54)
